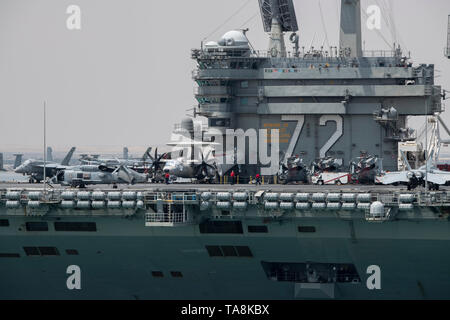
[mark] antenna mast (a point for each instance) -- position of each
(350, 37)
(278, 17)
(447, 50)
(45, 151)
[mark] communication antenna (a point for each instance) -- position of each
(45, 151)
(447, 50)
(278, 16)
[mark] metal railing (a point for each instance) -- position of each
(172, 218)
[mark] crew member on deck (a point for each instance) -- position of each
(167, 177)
(232, 176)
(258, 179)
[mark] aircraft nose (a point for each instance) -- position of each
(19, 169)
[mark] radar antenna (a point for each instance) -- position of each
(278, 17)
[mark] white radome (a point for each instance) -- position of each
(234, 38)
(211, 44)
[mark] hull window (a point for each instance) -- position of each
(41, 251)
(307, 229)
(221, 227)
(9, 255)
(258, 229)
(157, 274)
(176, 274)
(229, 251)
(72, 252)
(36, 226)
(311, 272)
(76, 226)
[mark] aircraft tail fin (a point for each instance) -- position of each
(125, 153)
(1, 162)
(18, 160)
(147, 154)
(430, 160)
(50, 154)
(68, 157)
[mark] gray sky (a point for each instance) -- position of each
(125, 77)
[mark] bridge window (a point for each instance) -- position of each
(219, 122)
(4, 223)
(72, 252)
(157, 274)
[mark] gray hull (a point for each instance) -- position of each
(117, 260)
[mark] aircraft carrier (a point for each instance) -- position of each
(190, 241)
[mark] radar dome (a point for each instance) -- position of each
(234, 38)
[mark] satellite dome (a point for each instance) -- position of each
(234, 38)
(377, 209)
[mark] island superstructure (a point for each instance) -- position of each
(339, 102)
(242, 241)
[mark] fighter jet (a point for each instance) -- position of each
(414, 178)
(364, 169)
(35, 168)
(81, 176)
(136, 163)
(17, 161)
(293, 170)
